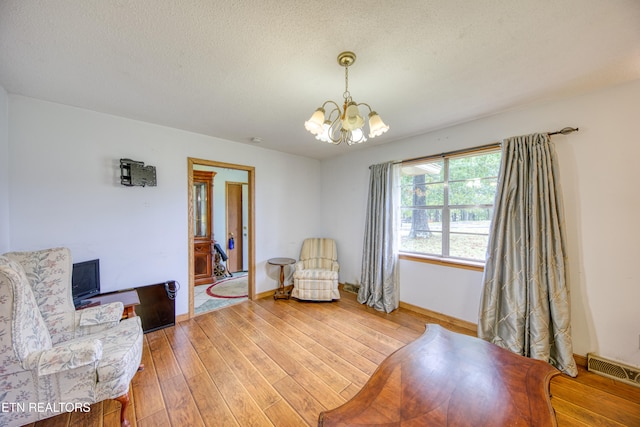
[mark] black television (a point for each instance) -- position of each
(85, 280)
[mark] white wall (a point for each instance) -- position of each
(64, 190)
(598, 173)
(4, 171)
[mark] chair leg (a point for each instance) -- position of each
(124, 403)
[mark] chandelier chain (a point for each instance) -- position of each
(346, 95)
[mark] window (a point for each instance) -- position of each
(447, 204)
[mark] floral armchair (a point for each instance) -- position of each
(316, 274)
(55, 359)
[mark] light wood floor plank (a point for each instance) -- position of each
(616, 409)
(372, 322)
(342, 334)
(577, 414)
(186, 356)
(350, 391)
(370, 337)
(282, 414)
(269, 369)
(328, 357)
(109, 406)
(401, 316)
(112, 419)
(280, 363)
(197, 336)
(340, 364)
(181, 407)
(303, 402)
(242, 406)
(257, 386)
(210, 402)
(613, 387)
(92, 418)
(306, 369)
(61, 420)
(327, 339)
(307, 360)
(566, 421)
(163, 357)
(146, 387)
(157, 419)
(384, 325)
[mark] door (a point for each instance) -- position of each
(245, 227)
(202, 235)
(234, 227)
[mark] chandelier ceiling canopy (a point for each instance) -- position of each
(344, 124)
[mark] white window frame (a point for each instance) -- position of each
(445, 258)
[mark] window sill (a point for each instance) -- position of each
(447, 262)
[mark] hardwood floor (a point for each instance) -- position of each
(281, 363)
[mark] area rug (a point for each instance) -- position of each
(232, 287)
(231, 293)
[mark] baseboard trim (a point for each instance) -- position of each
(182, 317)
(266, 294)
(271, 292)
(580, 360)
(442, 317)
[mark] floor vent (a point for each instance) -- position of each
(612, 369)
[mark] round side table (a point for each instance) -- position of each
(282, 262)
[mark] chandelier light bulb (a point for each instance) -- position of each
(376, 125)
(314, 124)
(324, 135)
(357, 137)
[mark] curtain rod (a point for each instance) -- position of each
(563, 131)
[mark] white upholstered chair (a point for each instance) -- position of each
(53, 358)
(316, 274)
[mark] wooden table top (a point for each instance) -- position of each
(126, 297)
(448, 379)
(281, 261)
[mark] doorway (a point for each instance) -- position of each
(240, 251)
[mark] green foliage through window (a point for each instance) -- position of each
(447, 204)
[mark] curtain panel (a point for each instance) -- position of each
(379, 286)
(525, 303)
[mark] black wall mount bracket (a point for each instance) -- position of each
(135, 173)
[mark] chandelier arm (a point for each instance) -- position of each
(335, 110)
(366, 105)
(331, 102)
(333, 129)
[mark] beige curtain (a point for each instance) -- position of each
(379, 286)
(525, 302)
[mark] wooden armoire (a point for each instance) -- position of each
(202, 227)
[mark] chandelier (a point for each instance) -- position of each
(344, 124)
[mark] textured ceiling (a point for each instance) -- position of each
(238, 69)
